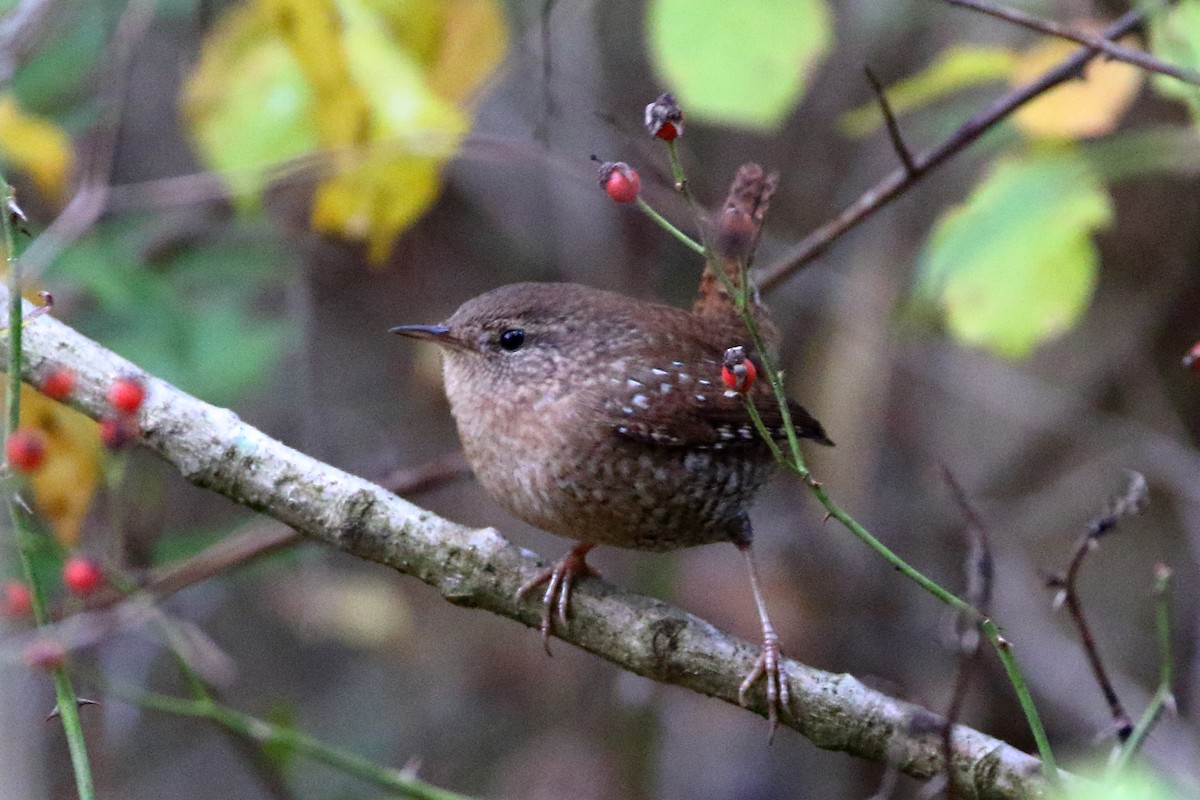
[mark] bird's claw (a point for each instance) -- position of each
(560, 582)
(769, 666)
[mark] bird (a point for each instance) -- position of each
(612, 420)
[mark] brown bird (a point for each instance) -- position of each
(605, 419)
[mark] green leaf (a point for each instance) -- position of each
(56, 81)
(1015, 265)
(957, 67)
(191, 318)
(744, 64)
(1175, 38)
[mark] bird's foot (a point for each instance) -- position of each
(769, 667)
(559, 580)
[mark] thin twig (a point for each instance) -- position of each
(666, 225)
(889, 118)
(1117, 52)
(812, 246)
(980, 571)
(1131, 502)
(399, 781)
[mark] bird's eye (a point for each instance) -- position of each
(512, 339)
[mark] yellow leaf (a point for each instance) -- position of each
(373, 86)
(376, 199)
(473, 42)
(247, 104)
(312, 30)
(65, 483)
(1084, 108)
(37, 146)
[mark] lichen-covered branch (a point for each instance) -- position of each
(214, 449)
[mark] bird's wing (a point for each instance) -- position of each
(688, 405)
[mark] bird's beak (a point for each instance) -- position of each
(438, 334)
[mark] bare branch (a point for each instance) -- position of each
(980, 569)
(889, 118)
(1116, 52)
(213, 449)
(1131, 502)
(812, 246)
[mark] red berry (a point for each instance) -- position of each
(45, 654)
(81, 576)
(17, 600)
(739, 377)
(664, 118)
(620, 181)
(126, 395)
(59, 384)
(117, 431)
(26, 449)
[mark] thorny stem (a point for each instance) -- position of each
(979, 574)
(267, 769)
(793, 460)
(1070, 597)
(1003, 648)
(1163, 696)
(64, 693)
(402, 782)
(795, 463)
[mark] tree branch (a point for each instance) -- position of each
(1117, 52)
(478, 568)
(811, 247)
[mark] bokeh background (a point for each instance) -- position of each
(232, 294)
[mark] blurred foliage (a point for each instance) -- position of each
(191, 317)
(1132, 784)
(376, 89)
(1175, 38)
(744, 64)
(60, 75)
(65, 483)
(1015, 264)
(36, 146)
(1091, 106)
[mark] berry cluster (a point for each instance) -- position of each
(664, 120)
(25, 451)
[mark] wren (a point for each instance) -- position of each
(604, 419)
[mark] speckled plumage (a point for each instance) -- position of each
(610, 424)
